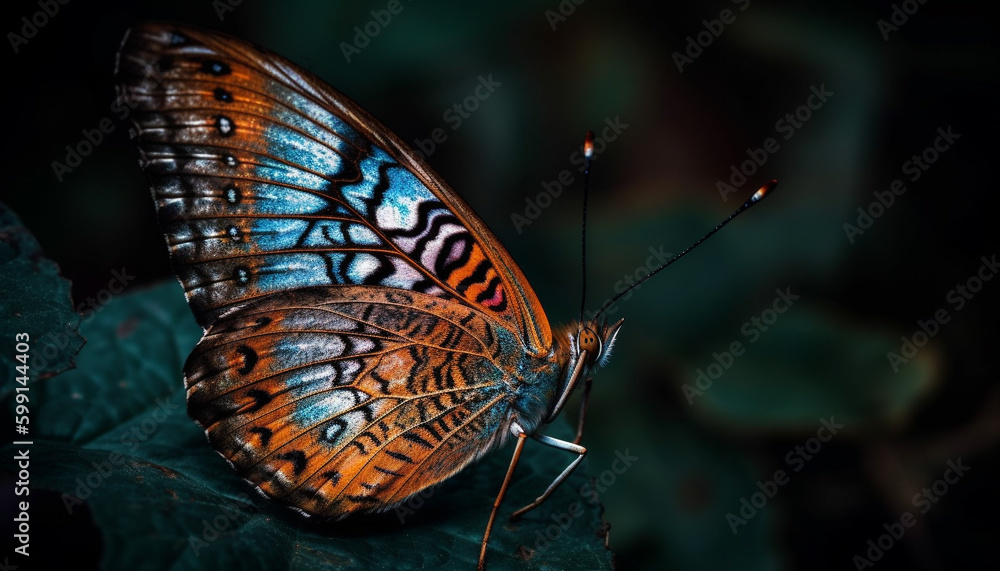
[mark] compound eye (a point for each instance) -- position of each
(590, 342)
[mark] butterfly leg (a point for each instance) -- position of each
(503, 491)
(585, 398)
(562, 445)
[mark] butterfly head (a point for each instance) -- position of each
(597, 339)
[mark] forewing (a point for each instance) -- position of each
(266, 180)
(345, 399)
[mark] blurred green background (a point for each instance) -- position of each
(564, 68)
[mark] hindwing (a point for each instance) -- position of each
(350, 398)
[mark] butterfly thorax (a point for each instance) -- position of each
(536, 388)
(538, 381)
(566, 354)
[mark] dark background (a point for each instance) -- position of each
(655, 186)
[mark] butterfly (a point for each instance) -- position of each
(366, 335)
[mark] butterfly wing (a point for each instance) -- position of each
(350, 398)
(266, 179)
(362, 324)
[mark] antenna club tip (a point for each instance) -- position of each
(588, 145)
(764, 190)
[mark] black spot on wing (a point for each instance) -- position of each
(376, 441)
(387, 471)
(297, 458)
(223, 95)
(398, 456)
(260, 399)
(264, 434)
(430, 428)
(417, 439)
(215, 67)
(249, 357)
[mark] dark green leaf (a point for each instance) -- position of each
(113, 434)
(34, 299)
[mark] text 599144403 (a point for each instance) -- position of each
(21, 484)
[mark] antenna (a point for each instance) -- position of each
(588, 153)
(757, 197)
